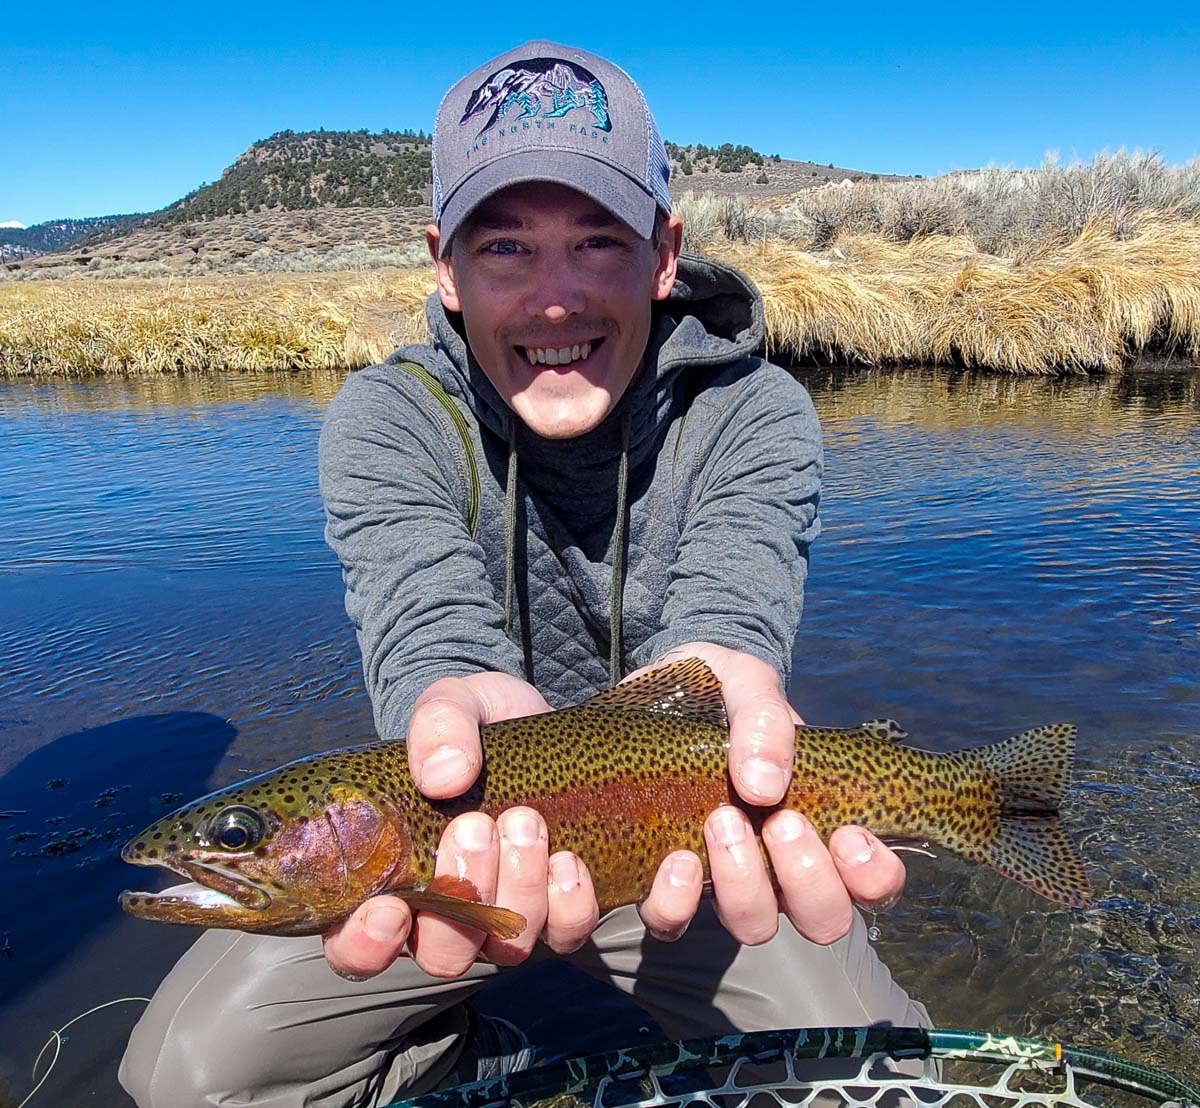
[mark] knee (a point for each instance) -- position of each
(204, 1035)
(174, 1060)
(154, 1071)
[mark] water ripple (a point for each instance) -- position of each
(997, 554)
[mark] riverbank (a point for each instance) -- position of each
(1097, 302)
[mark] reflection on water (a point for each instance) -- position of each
(1001, 553)
(997, 554)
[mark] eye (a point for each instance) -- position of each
(502, 247)
(601, 242)
(236, 828)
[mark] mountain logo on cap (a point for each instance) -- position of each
(545, 87)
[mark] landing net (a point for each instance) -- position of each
(828, 1067)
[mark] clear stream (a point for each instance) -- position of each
(997, 554)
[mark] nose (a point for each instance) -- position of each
(555, 291)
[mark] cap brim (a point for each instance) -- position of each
(609, 187)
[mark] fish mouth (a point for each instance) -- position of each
(211, 888)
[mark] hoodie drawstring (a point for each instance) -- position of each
(510, 529)
(617, 613)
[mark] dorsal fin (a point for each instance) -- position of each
(687, 689)
(885, 730)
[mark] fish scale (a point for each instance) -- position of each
(622, 780)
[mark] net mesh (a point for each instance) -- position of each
(833, 1068)
(872, 1085)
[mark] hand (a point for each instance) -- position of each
(818, 885)
(506, 859)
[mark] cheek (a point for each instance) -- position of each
(307, 856)
(374, 850)
(484, 321)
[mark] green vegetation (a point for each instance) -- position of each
(58, 234)
(726, 158)
(345, 169)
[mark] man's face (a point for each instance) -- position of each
(555, 295)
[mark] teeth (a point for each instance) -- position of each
(562, 355)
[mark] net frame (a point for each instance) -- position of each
(634, 1077)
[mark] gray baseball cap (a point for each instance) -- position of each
(545, 112)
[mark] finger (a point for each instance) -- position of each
(444, 752)
(762, 735)
(370, 940)
(572, 910)
(469, 850)
(746, 902)
(521, 883)
(674, 896)
(872, 873)
(811, 890)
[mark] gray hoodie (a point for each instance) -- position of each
(720, 509)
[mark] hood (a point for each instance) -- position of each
(713, 316)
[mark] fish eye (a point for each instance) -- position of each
(236, 828)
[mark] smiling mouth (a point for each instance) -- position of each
(560, 356)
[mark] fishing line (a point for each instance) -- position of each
(56, 1041)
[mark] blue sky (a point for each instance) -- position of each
(128, 107)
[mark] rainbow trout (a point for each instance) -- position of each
(622, 780)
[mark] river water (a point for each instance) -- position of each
(997, 554)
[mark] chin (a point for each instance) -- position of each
(562, 416)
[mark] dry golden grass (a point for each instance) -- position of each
(141, 326)
(1090, 304)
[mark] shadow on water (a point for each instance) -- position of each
(65, 812)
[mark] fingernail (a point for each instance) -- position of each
(763, 779)
(854, 848)
(445, 766)
(564, 873)
(786, 826)
(729, 827)
(473, 834)
(684, 871)
(384, 923)
(521, 828)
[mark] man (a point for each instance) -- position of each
(587, 471)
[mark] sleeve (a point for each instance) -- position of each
(742, 557)
(417, 588)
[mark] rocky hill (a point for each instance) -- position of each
(292, 199)
(316, 169)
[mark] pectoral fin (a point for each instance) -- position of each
(457, 900)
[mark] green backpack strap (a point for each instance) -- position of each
(413, 369)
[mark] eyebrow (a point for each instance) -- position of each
(497, 219)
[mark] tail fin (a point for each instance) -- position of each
(1030, 846)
